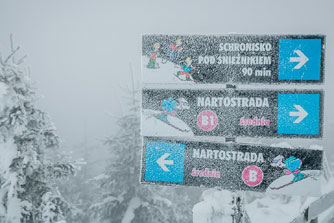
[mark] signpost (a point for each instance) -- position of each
(231, 166)
(207, 112)
(189, 59)
(230, 112)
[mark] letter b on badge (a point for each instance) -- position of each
(252, 176)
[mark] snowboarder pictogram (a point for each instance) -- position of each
(186, 67)
(292, 165)
(169, 107)
(153, 54)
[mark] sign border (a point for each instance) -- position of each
(274, 36)
(278, 91)
(182, 141)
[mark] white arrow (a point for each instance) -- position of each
(162, 162)
(301, 113)
(302, 59)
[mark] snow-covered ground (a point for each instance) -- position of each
(275, 210)
(154, 127)
(215, 207)
(270, 207)
(327, 216)
(278, 208)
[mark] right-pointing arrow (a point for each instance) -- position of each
(302, 59)
(162, 162)
(301, 114)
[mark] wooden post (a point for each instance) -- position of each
(238, 216)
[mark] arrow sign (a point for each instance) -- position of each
(213, 112)
(301, 114)
(162, 162)
(302, 59)
(241, 59)
(233, 167)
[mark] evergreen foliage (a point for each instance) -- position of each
(28, 144)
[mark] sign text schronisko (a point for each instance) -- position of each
(233, 58)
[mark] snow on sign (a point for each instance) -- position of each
(233, 58)
(231, 166)
(230, 112)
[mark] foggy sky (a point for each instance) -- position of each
(80, 51)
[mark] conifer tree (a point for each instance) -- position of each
(124, 199)
(29, 166)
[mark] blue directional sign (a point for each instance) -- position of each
(231, 166)
(164, 162)
(233, 59)
(298, 114)
(299, 59)
(213, 112)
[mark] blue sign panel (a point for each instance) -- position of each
(298, 114)
(299, 59)
(164, 162)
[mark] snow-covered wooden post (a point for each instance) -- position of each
(239, 210)
(238, 198)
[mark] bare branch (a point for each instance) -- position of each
(11, 42)
(112, 115)
(12, 46)
(12, 54)
(1, 61)
(22, 59)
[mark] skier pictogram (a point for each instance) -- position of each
(169, 107)
(292, 165)
(186, 67)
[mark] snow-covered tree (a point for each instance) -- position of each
(28, 145)
(124, 199)
(81, 191)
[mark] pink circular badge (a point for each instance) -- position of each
(207, 120)
(252, 176)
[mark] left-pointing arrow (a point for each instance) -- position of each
(301, 114)
(162, 162)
